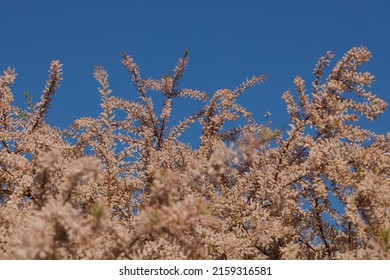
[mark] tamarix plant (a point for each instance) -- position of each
(128, 188)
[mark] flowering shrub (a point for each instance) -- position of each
(128, 188)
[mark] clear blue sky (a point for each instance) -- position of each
(228, 41)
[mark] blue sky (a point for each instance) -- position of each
(228, 40)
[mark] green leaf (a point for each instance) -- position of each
(25, 93)
(97, 211)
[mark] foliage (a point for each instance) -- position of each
(129, 188)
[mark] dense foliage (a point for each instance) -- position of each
(129, 188)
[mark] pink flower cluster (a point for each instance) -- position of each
(128, 188)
